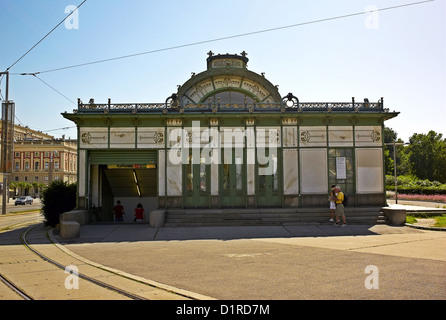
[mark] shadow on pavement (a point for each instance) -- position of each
(143, 232)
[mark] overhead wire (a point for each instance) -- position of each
(58, 129)
(189, 44)
(233, 36)
(55, 89)
(45, 36)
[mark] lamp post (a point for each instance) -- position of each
(394, 165)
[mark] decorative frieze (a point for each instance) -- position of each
(368, 136)
(93, 138)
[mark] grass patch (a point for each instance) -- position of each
(411, 219)
(26, 211)
(441, 221)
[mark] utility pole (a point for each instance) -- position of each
(7, 141)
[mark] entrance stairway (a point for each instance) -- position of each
(269, 216)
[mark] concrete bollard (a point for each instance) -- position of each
(157, 218)
(69, 229)
(397, 217)
(80, 216)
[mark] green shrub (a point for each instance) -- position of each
(57, 198)
(413, 185)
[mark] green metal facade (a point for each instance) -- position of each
(288, 153)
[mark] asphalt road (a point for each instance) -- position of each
(11, 208)
(20, 214)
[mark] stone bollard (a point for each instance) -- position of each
(396, 216)
(157, 218)
(69, 229)
(80, 216)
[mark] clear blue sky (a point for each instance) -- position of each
(397, 54)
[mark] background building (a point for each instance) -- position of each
(38, 159)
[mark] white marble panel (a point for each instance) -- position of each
(369, 171)
(161, 172)
(250, 137)
(268, 137)
(150, 137)
(174, 137)
(314, 171)
(197, 136)
(232, 137)
(368, 136)
(122, 137)
(340, 136)
(290, 136)
(214, 172)
(314, 136)
(290, 171)
(81, 173)
(174, 179)
(93, 138)
(250, 171)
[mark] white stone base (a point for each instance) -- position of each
(69, 229)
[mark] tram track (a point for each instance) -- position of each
(145, 291)
(82, 276)
(15, 288)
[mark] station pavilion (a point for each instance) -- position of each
(228, 139)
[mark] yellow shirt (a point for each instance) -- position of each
(339, 198)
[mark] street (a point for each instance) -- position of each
(11, 208)
(18, 215)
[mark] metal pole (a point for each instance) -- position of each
(394, 170)
(5, 191)
(394, 166)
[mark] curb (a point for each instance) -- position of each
(424, 228)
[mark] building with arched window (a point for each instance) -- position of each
(227, 139)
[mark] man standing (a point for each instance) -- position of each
(339, 206)
(118, 211)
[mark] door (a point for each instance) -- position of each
(269, 178)
(197, 176)
(341, 169)
(232, 181)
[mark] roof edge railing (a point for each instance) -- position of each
(284, 106)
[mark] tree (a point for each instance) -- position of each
(427, 156)
(14, 185)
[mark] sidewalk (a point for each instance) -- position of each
(417, 205)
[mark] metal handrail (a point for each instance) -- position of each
(352, 106)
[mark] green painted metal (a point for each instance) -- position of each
(196, 181)
(269, 179)
(232, 178)
(127, 157)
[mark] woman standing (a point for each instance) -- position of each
(139, 213)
